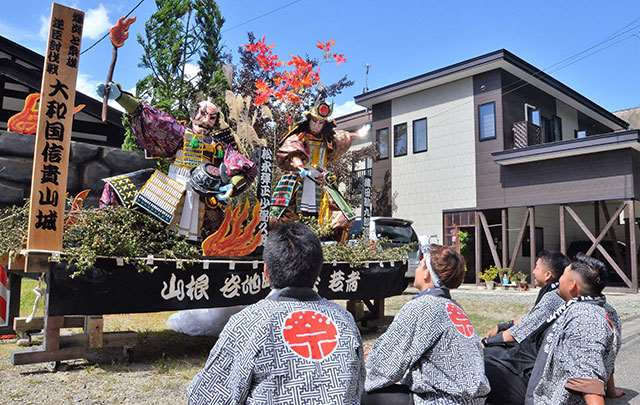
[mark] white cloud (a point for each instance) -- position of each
(86, 84)
(191, 70)
(345, 108)
(44, 28)
(96, 22)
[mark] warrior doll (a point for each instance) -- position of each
(308, 188)
(205, 171)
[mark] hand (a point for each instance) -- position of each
(302, 172)
(615, 392)
(115, 91)
(225, 193)
(493, 331)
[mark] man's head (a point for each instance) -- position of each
(447, 264)
(292, 256)
(549, 267)
(585, 276)
(205, 118)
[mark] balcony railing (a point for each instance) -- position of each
(526, 134)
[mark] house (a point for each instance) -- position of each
(21, 75)
(496, 148)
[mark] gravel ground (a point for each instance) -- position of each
(165, 362)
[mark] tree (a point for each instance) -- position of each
(178, 34)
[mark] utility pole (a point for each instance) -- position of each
(366, 78)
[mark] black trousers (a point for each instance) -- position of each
(507, 387)
(392, 395)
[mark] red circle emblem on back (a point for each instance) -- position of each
(310, 334)
(459, 320)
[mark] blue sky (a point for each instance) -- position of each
(398, 39)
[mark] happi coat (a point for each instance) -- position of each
(432, 348)
(577, 354)
(291, 348)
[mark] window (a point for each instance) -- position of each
(557, 128)
(420, 135)
(487, 121)
(382, 143)
(400, 140)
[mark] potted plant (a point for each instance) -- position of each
(521, 281)
(505, 275)
(488, 276)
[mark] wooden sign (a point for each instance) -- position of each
(53, 137)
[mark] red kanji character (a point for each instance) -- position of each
(459, 320)
(311, 335)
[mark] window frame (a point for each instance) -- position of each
(406, 139)
(378, 131)
(426, 135)
(495, 127)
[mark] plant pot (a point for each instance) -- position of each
(523, 286)
(490, 285)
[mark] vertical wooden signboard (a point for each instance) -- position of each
(53, 137)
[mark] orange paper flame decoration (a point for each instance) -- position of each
(232, 238)
(120, 32)
(76, 206)
(26, 121)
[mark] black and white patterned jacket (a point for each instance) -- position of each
(529, 323)
(291, 348)
(432, 348)
(580, 348)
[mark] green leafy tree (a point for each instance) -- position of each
(182, 33)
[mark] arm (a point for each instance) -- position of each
(226, 376)
(291, 154)
(536, 317)
(587, 346)
(399, 348)
(593, 399)
(157, 132)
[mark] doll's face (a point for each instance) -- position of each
(316, 125)
(206, 116)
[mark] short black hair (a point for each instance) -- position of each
(556, 261)
(593, 274)
(293, 255)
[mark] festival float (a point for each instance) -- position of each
(188, 233)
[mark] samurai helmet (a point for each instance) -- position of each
(321, 110)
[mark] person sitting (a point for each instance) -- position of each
(430, 352)
(546, 273)
(291, 347)
(580, 342)
(508, 355)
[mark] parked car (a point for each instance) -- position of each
(395, 231)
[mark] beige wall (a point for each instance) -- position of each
(443, 177)
(569, 117)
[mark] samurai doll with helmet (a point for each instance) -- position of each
(308, 188)
(206, 167)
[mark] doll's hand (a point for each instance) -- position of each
(115, 91)
(302, 172)
(225, 192)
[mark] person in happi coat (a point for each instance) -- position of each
(293, 347)
(207, 145)
(508, 355)
(307, 188)
(430, 353)
(580, 344)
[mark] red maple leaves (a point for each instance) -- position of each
(287, 82)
